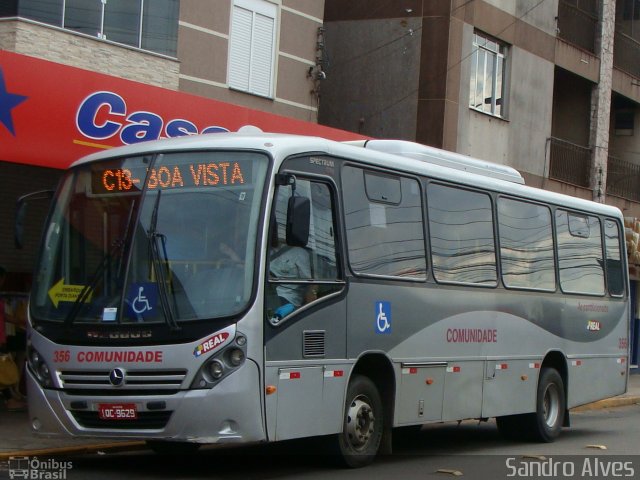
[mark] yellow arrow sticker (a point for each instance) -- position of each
(66, 293)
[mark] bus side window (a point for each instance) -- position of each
(462, 238)
(580, 253)
(615, 276)
(384, 221)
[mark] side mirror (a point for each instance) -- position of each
(21, 212)
(298, 220)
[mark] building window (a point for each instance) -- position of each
(252, 46)
(147, 24)
(487, 92)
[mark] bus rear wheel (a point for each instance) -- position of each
(545, 424)
(550, 406)
(363, 423)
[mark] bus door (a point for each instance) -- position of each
(304, 313)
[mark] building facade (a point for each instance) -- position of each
(550, 87)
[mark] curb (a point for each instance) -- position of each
(609, 403)
(75, 449)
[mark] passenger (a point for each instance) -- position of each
(290, 262)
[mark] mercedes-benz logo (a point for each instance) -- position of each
(116, 377)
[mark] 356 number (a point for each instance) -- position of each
(61, 356)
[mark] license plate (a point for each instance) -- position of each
(117, 411)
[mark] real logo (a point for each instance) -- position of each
(593, 326)
(210, 344)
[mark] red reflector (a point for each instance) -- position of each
(294, 375)
(338, 373)
(456, 369)
(413, 370)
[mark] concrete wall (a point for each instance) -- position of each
(203, 51)
(541, 15)
(372, 86)
(62, 46)
(520, 139)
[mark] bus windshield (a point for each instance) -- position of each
(166, 238)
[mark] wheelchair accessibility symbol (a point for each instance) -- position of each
(383, 317)
(140, 304)
(142, 298)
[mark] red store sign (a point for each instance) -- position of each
(52, 114)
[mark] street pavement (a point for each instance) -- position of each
(17, 439)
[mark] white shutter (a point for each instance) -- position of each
(262, 55)
(240, 48)
(252, 46)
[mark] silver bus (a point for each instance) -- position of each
(235, 288)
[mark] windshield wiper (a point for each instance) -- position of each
(154, 236)
(117, 245)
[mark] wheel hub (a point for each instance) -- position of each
(360, 422)
(551, 405)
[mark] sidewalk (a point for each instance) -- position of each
(16, 438)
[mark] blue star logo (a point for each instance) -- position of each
(8, 101)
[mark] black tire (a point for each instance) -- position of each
(165, 447)
(363, 423)
(546, 423)
(551, 405)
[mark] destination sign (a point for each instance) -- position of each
(214, 174)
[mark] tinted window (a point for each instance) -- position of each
(160, 26)
(115, 20)
(579, 253)
(615, 275)
(122, 21)
(83, 16)
(526, 245)
(45, 11)
(461, 229)
(384, 238)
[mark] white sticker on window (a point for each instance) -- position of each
(378, 215)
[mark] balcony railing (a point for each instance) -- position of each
(626, 52)
(569, 163)
(577, 24)
(623, 179)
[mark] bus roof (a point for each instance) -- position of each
(407, 157)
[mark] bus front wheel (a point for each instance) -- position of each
(363, 423)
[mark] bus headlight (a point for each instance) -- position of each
(221, 364)
(39, 368)
(236, 357)
(216, 369)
